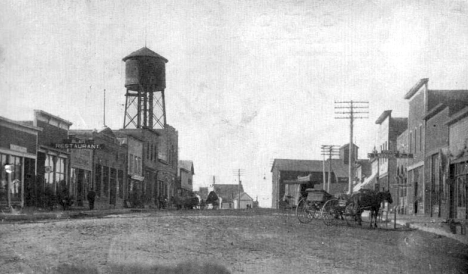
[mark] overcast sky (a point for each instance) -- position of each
(247, 81)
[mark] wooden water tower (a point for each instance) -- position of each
(145, 80)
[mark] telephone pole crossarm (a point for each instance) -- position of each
(351, 114)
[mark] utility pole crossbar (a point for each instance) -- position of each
(351, 114)
(330, 151)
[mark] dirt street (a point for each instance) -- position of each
(220, 242)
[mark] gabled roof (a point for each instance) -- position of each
(338, 167)
(187, 165)
(227, 192)
(107, 131)
(144, 52)
(244, 197)
(298, 165)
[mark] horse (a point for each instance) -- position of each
(369, 201)
(212, 199)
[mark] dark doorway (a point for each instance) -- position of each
(31, 190)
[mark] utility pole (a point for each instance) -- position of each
(239, 171)
(330, 151)
(104, 111)
(351, 113)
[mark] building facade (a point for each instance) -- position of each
(168, 161)
(134, 175)
(458, 165)
(53, 162)
(389, 130)
(185, 175)
(108, 177)
(18, 144)
(81, 174)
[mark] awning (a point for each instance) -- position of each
(357, 187)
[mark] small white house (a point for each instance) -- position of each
(245, 201)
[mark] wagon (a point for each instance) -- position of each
(310, 206)
(336, 210)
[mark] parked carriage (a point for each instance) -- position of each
(332, 210)
(310, 205)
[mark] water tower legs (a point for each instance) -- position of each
(151, 109)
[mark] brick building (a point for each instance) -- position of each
(109, 167)
(134, 175)
(427, 144)
(53, 164)
(168, 161)
(144, 188)
(389, 130)
(457, 189)
(18, 148)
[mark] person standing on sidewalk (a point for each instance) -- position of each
(91, 196)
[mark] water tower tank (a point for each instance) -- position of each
(145, 70)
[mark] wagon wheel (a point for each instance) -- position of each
(349, 214)
(330, 212)
(305, 211)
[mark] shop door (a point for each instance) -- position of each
(30, 188)
(80, 187)
(113, 187)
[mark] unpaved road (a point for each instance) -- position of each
(207, 242)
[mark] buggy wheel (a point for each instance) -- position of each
(349, 214)
(330, 212)
(305, 211)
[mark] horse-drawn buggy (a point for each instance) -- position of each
(310, 205)
(344, 207)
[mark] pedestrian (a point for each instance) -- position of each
(91, 196)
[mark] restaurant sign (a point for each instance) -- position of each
(78, 144)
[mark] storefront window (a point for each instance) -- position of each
(60, 172)
(105, 178)
(49, 171)
(120, 178)
(461, 191)
(97, 178)
(3, 177)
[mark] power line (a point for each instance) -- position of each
(351, 114)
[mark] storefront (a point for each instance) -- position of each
(18, 143)
(459, 188)
(80, 174)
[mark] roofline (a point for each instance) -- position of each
(415, 88)
(20, 124)
(383, 116)
(431, 113)
(457, 116)
(53, 116)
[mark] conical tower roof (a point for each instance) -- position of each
(144, 52)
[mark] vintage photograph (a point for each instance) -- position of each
(244, 136)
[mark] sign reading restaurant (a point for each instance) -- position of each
(80, 144)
